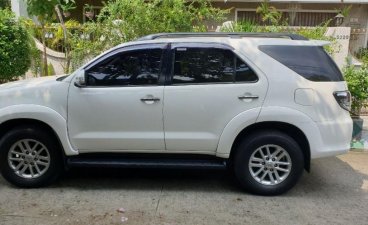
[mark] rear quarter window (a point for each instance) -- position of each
(310, 62)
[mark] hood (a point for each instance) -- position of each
(44, 91)
(29, 83)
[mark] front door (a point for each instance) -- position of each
(120, 109)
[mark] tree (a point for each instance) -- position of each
(269, 13)
(64, 5)
(4, 4)
(125, 20)
(44, 11)
(15, 48)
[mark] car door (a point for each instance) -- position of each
(120, 108)
(208, 86)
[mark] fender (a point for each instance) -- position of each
(267, 114)
(44, 114)
(318, 143)
(233, 128)
(297, 118)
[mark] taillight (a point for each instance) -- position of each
(344, 99)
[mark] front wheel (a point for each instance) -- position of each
(268, 163)
(29, 157)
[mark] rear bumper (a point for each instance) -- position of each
(334, 138)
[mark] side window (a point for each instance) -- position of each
(209, 65)
(310, 62)
(243, 72)
(140, 67)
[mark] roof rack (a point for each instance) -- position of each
(223, 34)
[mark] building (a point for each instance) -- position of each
(308, 13)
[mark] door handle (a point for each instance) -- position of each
(149, 99)
(243, 97)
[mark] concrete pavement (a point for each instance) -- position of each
(335, 192)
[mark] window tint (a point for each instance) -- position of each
(311, 62)
(141, 67)
(209, 65)
(243, 72)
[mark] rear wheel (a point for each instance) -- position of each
(268, 163)
(29, 157)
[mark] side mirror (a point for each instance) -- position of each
(80, 80)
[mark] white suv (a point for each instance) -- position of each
(260, 104)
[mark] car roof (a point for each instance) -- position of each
(231, 41)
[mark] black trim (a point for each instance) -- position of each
(62, 78)
(215, 83)
(165, 68)
(223, 34)
(116, 86)
(146, 161)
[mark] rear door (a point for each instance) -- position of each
(208, 86)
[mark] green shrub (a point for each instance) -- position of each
(241, 26)
(15, 48)
(357, 79)
(313, 33)
(4, 4)
(316, 33)
(269, 14)
(50, 69)
(362, 55)
(124, 20)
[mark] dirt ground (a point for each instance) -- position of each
(335, 192)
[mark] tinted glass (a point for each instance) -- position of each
(141, 67)
(209, 65)
(311, 62)
(243, 72)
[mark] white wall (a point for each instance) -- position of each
(19, 7)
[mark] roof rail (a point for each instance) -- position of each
(223, 34)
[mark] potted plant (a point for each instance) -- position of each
(66, 6)
(89, 11)
(357, 80)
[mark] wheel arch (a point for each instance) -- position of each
(294, 132)
(13, 123)
(45, 117)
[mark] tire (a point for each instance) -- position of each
(255, 175)
(45, 158)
